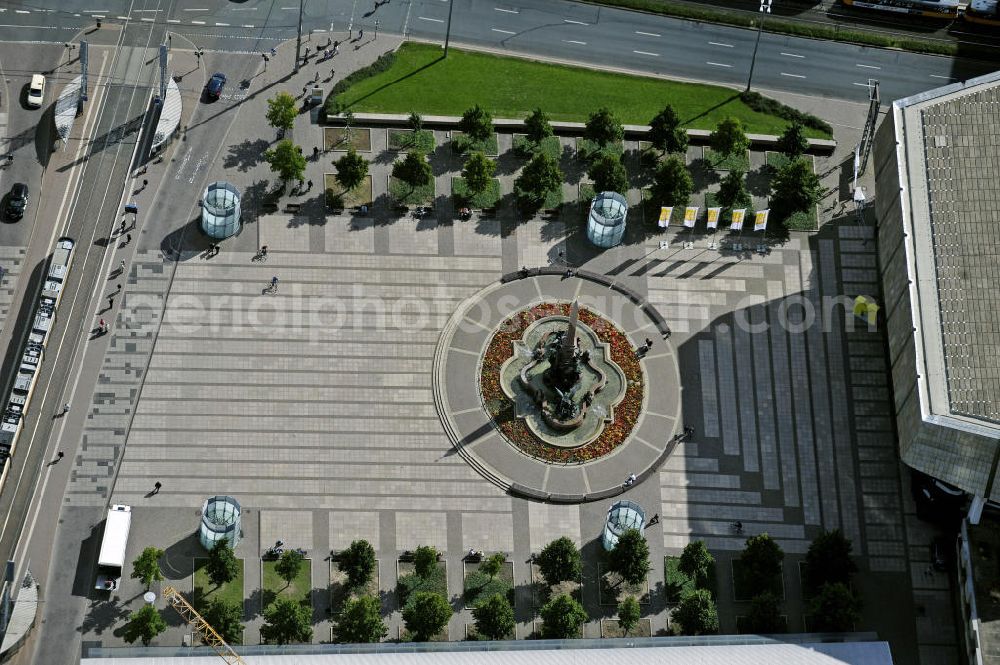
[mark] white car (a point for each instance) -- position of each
(36, 91)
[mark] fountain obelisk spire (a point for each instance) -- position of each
(566, 370)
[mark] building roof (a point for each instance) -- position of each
(950, 137)
(713, 652)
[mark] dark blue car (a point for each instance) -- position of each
(215, 85)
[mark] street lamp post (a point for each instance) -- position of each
(376, 28)
(765, 9)
(298, 40)
(447, 33)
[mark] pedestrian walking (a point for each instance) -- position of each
(649, 344)
(122, 229)
(316, 77)
(66, 407)
(156, 487)
(310, 185)
(274, 52)
(118, 287)
(128, 238)
(60, 455)
(144, 183)
(361, 34)
(121, 266)
(333, 73)
(655, 519)
(315, 152)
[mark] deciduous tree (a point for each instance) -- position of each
(672, 184)
(424, 560)
(696, 614)
(286, 160)
(540, 176)
(493, 564)
(226, 618)
(222, 566)
(833, 610)
(603, 128)
(144, 624)
(146, 566)
(360, 621)
(352, 169)
(281, 111)
(764, 615)
(426, 614)
(795, 188)
(537, 126)
(562, 618)
(415, 121)
(287, 620)
(793, 143)
(630, 557)
(761, 561)
(608, 173)
(696, 561)
(494, 617)
(358, 562)
(560, 560)
(729, 137)
(666, 133)
(478, 172)
(476, 123)
(628, 614)
(828, 561)
(288, 565)
(414, 169)
(733, 190)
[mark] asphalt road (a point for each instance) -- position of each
(552, 28)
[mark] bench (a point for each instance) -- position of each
(292, 207)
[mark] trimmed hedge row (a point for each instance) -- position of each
(762, 104)
(777, 25)
(384, 62)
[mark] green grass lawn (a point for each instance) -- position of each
(403, 193)
(463, 145)
(550, 146)
(479, 587)
(360, 195)
(421, 79)
(407, 139)
(205, 591)
(487, 198)
(408, 582)
(776, 160)
(722, 162)
(806, 220)
(274, 587)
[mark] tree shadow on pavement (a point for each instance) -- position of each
(244, 156)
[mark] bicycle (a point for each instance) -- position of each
(259, 257)
(737, 527)
(271, 289)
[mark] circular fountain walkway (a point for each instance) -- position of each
(472, 431)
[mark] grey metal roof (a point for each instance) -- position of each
(961, 137)
(833, 653)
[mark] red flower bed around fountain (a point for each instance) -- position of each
(501, 409)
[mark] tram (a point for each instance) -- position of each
(943, 9)
(33, 351)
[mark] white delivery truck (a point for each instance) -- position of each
(112, 557)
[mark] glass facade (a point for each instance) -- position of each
(622, 516)
(220, 210)
(220, 518)
(606, 222)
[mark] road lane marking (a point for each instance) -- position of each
(222, 25)
(647, 34)
(717, 64)
(21, 11)
(505, 32)
(863, 85)
(938, 76)
(721, 44)
(249, 25)
(573, 41)
(198, 22)
(243, 9)
(868, 66)
(569, 20)
(654, 55)
(145, 18)
(173, 20)
(435, 20)
(124, 18)
(506, 11)
(794, 76)
(200, 9)
(792, 55)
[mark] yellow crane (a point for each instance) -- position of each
(202, 627)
